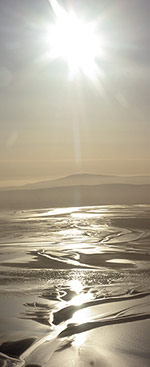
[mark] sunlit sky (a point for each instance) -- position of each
(88, 111)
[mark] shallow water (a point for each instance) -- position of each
(74, 286)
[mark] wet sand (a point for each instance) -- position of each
(74, 287)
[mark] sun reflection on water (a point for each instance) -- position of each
(80, 297)
(79, 339)
(81, 316)
(76, 285)
(85, 215)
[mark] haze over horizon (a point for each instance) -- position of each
(53, 125)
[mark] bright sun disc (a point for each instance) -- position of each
(74, 41)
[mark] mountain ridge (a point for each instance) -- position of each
(82, 179)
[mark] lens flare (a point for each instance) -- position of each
(74, 41)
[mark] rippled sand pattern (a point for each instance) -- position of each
(75, 287)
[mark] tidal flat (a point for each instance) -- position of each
(75, 286)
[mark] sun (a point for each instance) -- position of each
(74, 41)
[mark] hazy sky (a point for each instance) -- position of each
(52, 125)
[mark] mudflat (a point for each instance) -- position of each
(74, 286)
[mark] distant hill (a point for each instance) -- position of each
(84, 179)
(82, 195)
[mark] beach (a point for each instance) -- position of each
(74, 286)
